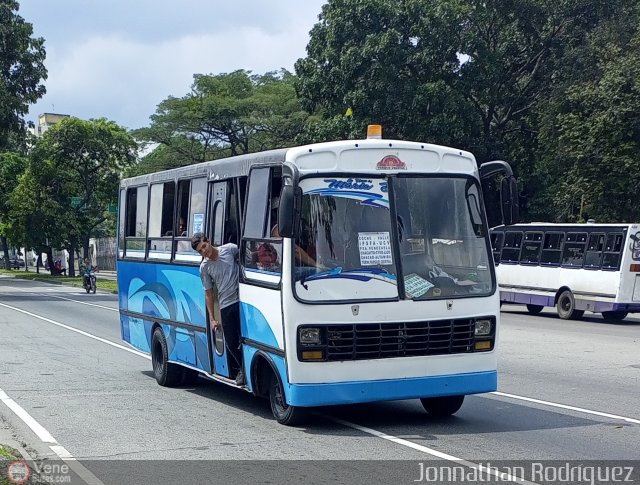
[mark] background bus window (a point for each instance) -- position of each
(497, 238)
(552, 249)
(593, 256)
(136, 222)
(574, 249)
(161, 217)
(530, 253)
(511, 247)
(613, 251)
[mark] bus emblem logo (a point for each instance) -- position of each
(449, 304)
(391, 162)
(355, 309)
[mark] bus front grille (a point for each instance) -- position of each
(402, 339)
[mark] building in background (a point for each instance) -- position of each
(46, 121)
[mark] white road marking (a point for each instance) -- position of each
(430, 451)
(81, 332)
(44, 436)
(85, 303)
(570, 408)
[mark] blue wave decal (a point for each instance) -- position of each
(355, 274)
(365, 198)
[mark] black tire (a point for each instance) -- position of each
(442, 406)
(93, 287)
(166, 374)
(614, 316)
(87, 288)
(534, 309)
(285, 414)
(566, 307)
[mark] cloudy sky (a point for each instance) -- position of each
(120, 58)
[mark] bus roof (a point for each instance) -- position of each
(240, 165)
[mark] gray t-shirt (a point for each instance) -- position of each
(223, 274)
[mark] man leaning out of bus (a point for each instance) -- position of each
(219, 268)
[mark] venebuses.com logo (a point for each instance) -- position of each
(18, 472)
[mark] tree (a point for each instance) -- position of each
(73, 174)
(223, 115)
(21, 70)
(466, 73)
(11, 167)
(591, 130)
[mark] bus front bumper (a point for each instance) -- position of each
(307, 395)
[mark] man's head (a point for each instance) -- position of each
(203, 246)
(86, 260)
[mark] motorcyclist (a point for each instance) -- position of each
(88, 268)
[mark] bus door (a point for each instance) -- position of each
(261, 268)
(219, 193)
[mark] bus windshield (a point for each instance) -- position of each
(350, 245)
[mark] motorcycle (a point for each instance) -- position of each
(89, 281)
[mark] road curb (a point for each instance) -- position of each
(8, 438)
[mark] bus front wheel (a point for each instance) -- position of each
(566, 307)
(284, 414)
(442, 406)
(534, 309)
(166, 374)
(614, 316)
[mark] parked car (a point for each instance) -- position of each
(16, 262)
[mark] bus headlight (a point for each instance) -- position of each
(309, 336)
(483, 327)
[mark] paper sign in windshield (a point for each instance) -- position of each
(416, 286)
(375, 248)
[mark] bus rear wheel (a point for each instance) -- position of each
(614, 316)
(442, 406)
(534, 309)
(566, 307)
(166, 374)
(284, 414)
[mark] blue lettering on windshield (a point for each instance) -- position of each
(384, 187)
(350, 184)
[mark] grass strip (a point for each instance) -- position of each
(106, 285)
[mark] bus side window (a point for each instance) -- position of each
(552, 249)
(261, 252)
(593, 256)
(192, 196)
(121, 222)
(136, 222)
(612, 251)
(161, 219)
(574, 248)
(531, 248)
(511, 247)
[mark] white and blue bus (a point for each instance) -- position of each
(397, 300)
(573, 267)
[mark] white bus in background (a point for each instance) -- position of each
(573, 267)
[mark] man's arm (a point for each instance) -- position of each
(209, 298)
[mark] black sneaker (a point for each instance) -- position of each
(240, 378)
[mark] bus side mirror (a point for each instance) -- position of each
(289, 211)
(509, 200)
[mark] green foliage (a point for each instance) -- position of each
(21, 70)
(591, 130)
(74, 158)
(223, 115)
(473, 74)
